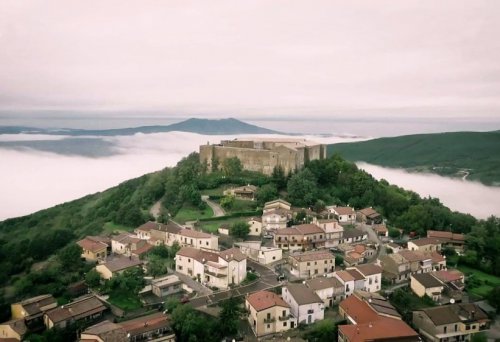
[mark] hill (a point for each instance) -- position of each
(193, 125)
(474, 155)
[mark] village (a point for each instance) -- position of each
(335, 265)
(291, 268)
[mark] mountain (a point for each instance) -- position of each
(473, 155)
(193, 125)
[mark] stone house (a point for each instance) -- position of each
(353, 235)
(373, 276)
(268, 313)
(425, 245)
(246, 192)
(276, 219)
(369, 216)
(347, 280)
(85, 309)
(448, 239)
(13, 330)
(94, 248)
(395, 268)
(304, 236)
(333, 231)
(255, 226)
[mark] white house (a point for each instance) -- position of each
(333, 231)
(304, 303)
(343, 214)
(255, 226)
(373, 276)
(347, 280)
(276, 219)
(263, 255)
(330, 290)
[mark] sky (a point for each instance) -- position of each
(252, 58)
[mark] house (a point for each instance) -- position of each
(197, 239)
(373, 276)
(276, 219)
(448, 239)
(353, 235)
(85, 309)
(438, 261)
(452, 278)
(372, 318)
(312, 264)
(32, 309)
(304, 236)
(345, 215)
(304, 303)
(13, 330)
(268, 313)
(154, 327)
(141, 251)
(94, 248)
(381, 230)
(167, 285)
(394, 247)
(453, 322)
(395, 268)
(425, 245)
(333, 231)
(356, 254)
(276, 204)
(263, 255)
(219, 269)
(104, 331)
(125, 243)
(246, 192)
(359, 279)
(330, 290)
(353, 258)
(368, 216)
(117, 265)
(159, 233)
(424, 284)
(347, 280)
(255, 224)
(419, 262)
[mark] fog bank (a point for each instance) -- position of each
(33, 180)
(474, 198)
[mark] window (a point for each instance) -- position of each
(274, 258)
(206, 243)
(268, 315)
(315, 262)
(283, 313)
(284, 324)
(444, 330)
(269, 325)
(326, 261)
(456, 327)
(308, 264)
(179, 267)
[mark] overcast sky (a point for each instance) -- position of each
(251, 57)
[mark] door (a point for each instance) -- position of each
(309, 319)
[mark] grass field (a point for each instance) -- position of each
(110, 227)
(212, 226)
(190, 213)
(488, 281)
(125, 300)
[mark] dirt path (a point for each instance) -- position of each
(155, 209)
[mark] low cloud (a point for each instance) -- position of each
(475, 198)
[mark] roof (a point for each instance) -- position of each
(78, 309)
(448, 275)
(321, 283)
(257, 219)
(169, 227)
(119, 263)
(393, 245)
(369, 212)
(345, 276)
(358, 310)
(166, 281)
(146, 323)
(425, 241)
(426, 280)
(125, 238)
(313, 255)
(302, 294)
(263, 300)
(453, 313)
(435, 257)
(383, 328)
(343, 210)
(107, 331)
(279, 200)
(143, 249)
(309, 229)
(352, 233)
(33, 305)
(412, 256)
(198, 254)
(245, 189)
(369, 269)
(355, 274)
(232, 254)
(380, 228)
(194, 234)
(360, 248)
(277, 211)
(92, 245)
(446, 235)
(17, 325)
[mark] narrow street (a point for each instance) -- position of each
(217, 209)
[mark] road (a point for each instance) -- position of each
(267, 280)
(372, 236)
(217, 209)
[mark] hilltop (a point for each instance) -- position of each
(192, 125)
(456, 154)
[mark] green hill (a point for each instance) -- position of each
(451, 154)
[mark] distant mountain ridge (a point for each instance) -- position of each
(468, 155)
(192, 125)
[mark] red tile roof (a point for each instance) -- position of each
(198, 254)
(233, 254)
(263, 300)
(426, 241)
(446, 235)
(384, 328)
(358, 310)
(344, 210)
(369, 269)
(190, 233)
(345, 276)
(355, 274)
(89, 244)
(145, 324)
(313, 255)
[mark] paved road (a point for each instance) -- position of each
(372, 236)
(267, 280)
(218, 210)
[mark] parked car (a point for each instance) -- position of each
(250, 269)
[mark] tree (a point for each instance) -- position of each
(322, 331)
(302, 188)
(394, 233)
(232, 166)
(175, 248)
(93, 278)
(278, 177)
(230, 315)
(494, 298)
(70, 256)
(240, 229)
(215, 164)
(227, 202)
(479, 337)
(266, 193)
(156, 265)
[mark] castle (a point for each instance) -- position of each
(264, 155)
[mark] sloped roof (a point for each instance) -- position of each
(107, 331)
(263, 300)
(446, 235)
(382, 329)
(413, 255)
(302, 294)
(17, 325)
(169, 227)
(321, 283)
(369, 269)
(355, 274)
(232, 254)
(427, 280)
(369, 212)
(448, 275)
(344, 210)
(453, 313)
(352, 233)
(194, 234)
(92, 245)
(198, 254)
(33, 305)
(425, 241)
(313, 255)
(76, 310)
(309, 229)
(344, 275)
(146, 323)
(119, 263)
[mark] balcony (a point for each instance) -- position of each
(285, 318)
(269, 320)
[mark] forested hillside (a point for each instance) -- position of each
(474, 154)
